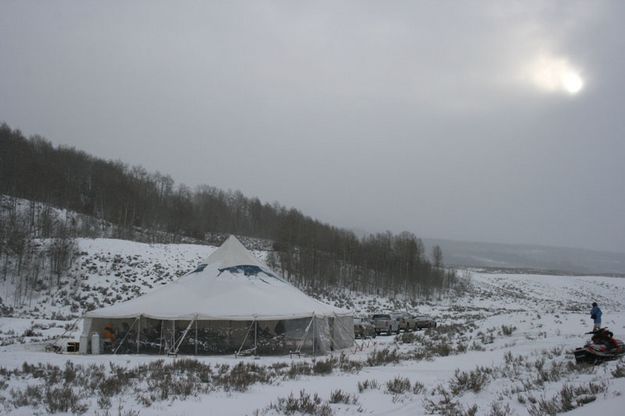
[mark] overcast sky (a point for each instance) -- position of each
(469, 120)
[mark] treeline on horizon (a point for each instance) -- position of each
(312, 254)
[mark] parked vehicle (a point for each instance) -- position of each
(408, 322)
(400, 318)
(424, 321)
(601, 347)
(383, 322)
(363, 328)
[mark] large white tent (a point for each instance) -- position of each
(231, 300)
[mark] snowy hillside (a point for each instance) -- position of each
(504, 346)
(106, 271)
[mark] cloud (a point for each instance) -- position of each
(423, 115)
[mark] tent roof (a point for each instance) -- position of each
(234, 285)
(232, 253)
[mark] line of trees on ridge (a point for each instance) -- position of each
(308, 252)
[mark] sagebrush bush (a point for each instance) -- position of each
(241, 376)
(497, 409)
(156, 380)
(476, 347)
(474, 380)
(339, 396)
(507, 330)
(369, 384)
(67, 387)
(444, 404)
(63, 399)
(381, 357)
(304, 404)
(347, 365)
(443, 348)
(298, 369)
(544, 407)
(324, 366)
(398, 385)
(568, 398)
(30, 396)
(619, 371)
(418, 388)
(407, 337)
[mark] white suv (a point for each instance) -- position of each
(385, 322)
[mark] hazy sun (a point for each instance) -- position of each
(572, 82)
(554, 74)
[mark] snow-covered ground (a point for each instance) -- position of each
(504, 346)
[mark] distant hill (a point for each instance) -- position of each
(529, 257)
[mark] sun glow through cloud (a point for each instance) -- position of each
(554, 74)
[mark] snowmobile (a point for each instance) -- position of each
(601, 347)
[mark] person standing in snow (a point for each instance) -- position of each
(595, 315)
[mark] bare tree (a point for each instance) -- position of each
(437, 256)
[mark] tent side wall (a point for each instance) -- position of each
(343, 332)
(206, 337)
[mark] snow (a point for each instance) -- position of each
(503, 318)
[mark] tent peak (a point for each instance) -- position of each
(232, 253)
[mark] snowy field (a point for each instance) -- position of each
(503, 348)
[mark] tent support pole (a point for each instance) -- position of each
(176, 347)
(244, 339)
(125, 336)
(196, 335)
(314, 337)
(173, 334)
(299, 348)
(256, 338)
(160, 342)
(138, 332)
